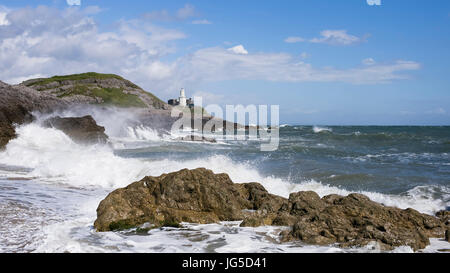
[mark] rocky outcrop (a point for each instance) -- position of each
(82, 130)
(200, 196)
(355, 220)
(96, 88)
(444, 215)
(101, 90)
(197, 196)
(17, 103)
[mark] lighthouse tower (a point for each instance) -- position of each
(182, 98)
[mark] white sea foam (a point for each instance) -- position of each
(52, 156)
(49, 155)
(317, 129)
(225, 237)
(142, 132)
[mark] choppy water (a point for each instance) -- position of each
(50, 187)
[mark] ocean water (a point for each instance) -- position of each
(50, 186)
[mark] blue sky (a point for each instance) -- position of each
(324, 62)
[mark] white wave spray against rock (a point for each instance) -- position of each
(54, 158)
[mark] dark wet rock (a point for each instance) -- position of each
(197, 196)
(355, 220)
(200, 196)
(447, 235)
(17, 104)
(80, 129)
(260, 199)
(444, 215)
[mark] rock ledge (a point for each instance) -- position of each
(200, 196)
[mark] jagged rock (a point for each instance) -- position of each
(355, 220)
(444, 215)
(80, 129)
(447, 235)
(200, 196)
(197, 196)
(16, 106)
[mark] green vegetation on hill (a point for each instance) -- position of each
(116, 96)
(110, 96)
(77, 77)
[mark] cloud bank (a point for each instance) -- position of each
(73, 2)
(331, 37)
(42, 41)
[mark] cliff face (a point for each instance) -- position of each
(16, 106)
(96, 88)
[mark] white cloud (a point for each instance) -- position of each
(373, 2)
(217, 64)
(337, 37)
(3, 12)
(43, 42)
(331, 37)
(293, 39)
(181, 14)
(201, 22)
(73, 2)
(239, 49)
(368, 61)
(3, 20)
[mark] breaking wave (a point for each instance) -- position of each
(51, 156)
(317, 129)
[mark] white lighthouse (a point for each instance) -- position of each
(182, 98)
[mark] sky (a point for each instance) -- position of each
(349, 62)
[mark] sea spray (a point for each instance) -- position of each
(74, 178)
(317, 129)
(53, 156)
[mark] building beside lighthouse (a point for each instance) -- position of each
(182, 100)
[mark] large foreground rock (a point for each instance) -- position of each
(200, 196)
(80, 129)
(197, 196)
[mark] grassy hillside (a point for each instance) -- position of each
(76, 77)
(110, 96)
(110, 89)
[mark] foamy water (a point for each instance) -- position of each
(317, 129)
(51, 172)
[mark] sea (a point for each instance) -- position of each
(50, 187)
